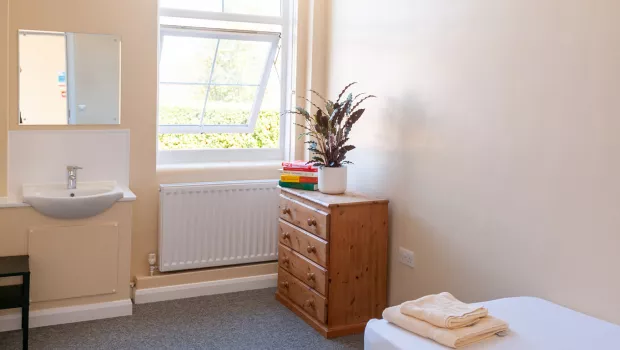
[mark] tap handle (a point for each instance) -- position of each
(73, 167)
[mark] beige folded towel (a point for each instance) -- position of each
(443, 310)
(454, 338)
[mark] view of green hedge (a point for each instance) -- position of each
(266, 133)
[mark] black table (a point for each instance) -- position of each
(17, 295)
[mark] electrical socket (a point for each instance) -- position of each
(406, 257)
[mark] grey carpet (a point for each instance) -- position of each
(244, 320)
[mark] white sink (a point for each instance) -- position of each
(88, 199)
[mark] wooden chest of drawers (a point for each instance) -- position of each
(333, 259)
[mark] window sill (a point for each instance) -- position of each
(272, 164)
(218, 171)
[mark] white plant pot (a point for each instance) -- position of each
(333, 180)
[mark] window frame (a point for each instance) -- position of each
(285, 37)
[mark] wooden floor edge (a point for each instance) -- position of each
(326, 332)
(319, 327)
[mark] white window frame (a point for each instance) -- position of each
(285, 37)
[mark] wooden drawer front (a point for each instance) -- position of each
(308, 272)
(312, 302)
(304, 243)
(304, 216)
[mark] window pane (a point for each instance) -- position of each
(186, 59)
(240, 62)
(199, 5)
(273, 94)
(248, 7)
(253, 7)
(265, 135)
(181, 104)
(229, 105)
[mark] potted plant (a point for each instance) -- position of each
(329, 130)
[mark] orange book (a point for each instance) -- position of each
(299, 179)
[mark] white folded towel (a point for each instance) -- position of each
(486, 327)
(443, 310)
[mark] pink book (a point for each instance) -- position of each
(298, 165)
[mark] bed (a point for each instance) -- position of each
(534, 324)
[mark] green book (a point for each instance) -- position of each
(300, 186)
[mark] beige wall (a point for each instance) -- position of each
(135, 22)
(311, 64)
(496, 138)
(4, 84)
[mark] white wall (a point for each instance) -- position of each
(497, 138)
(41, 156)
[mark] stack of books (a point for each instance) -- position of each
(299, 175)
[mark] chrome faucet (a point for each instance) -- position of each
(72, 176)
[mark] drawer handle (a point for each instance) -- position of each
(286, 235)
(286, 211)
(309, 303)
(311, 249)
(284, 285)
(311, 222)
(310, 276)
(285, 260)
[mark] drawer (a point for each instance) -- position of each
(304, 216)
(310, 301)
(305, 270)
(304, 243)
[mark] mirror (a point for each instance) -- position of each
(68, 78)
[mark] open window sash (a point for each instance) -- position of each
(247, 36)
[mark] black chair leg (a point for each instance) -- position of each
(26, 310)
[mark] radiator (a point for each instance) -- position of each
(217, 224)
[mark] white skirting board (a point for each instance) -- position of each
(182, 291)
(69, 314)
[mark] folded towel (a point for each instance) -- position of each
(454, 338)
(443, 310)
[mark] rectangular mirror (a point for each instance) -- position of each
(69, 78)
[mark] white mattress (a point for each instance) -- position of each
(534, 324)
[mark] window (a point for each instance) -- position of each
(250, 7)
(224, 81)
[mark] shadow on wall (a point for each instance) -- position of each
(386, 137)
(396, 131)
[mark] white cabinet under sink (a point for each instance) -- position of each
(72, 262)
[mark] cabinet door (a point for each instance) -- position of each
(73, 261)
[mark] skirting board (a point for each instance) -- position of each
(69, 314)
(192, 290)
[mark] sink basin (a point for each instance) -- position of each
(88, 199)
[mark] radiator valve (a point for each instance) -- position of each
(152, 262)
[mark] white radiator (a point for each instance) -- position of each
(218, 223)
